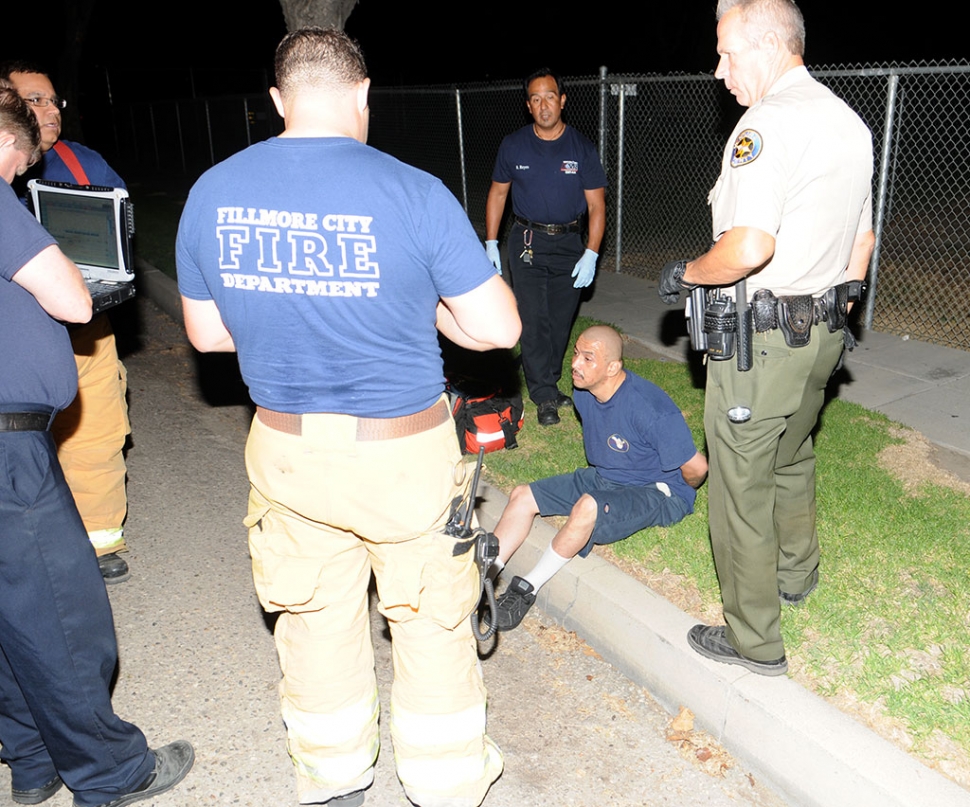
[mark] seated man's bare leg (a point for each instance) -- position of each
(576, 532)
(574, 535)
(516, 522)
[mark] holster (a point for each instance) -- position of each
(763, 310)
(834, 307)
(796, 315)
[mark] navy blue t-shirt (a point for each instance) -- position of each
(549, 177)
(36, 363)
(638, 437)
(326, 259)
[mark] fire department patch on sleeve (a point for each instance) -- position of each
(746, 148)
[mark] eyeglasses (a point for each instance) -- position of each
(42, 102)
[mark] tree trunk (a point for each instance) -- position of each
(325, 13)
(76, 16)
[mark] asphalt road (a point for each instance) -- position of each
(197, 654)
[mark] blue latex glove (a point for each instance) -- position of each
(585, 269)
(491, 249)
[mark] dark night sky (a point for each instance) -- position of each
(233, 42)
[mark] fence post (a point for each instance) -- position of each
(208, 129)
(621, 91)
(880, 212)
(134, 131)
(111, 104)
(461, 150)
(151, 117)
(178, 125)
(603, 114)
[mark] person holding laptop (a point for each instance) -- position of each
(91, 433)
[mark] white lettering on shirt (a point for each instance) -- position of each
(286, 285)
(297, 248)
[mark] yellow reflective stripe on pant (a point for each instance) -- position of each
(442, 760)
(326, 747)
(105, 541)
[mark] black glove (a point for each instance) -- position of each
(848, 339)
(672, 281)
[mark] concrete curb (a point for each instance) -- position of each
(159, 288)
(811, 753)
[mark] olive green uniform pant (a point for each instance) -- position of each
(762, 481)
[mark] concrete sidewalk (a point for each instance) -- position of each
(810, 752)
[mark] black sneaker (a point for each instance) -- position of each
(114, 568)
(172, 763)
(712, 643)
(37, 795)
(514, 604)
(548, 414)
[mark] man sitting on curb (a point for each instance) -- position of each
(643, 471)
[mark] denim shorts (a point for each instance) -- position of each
(622, 509)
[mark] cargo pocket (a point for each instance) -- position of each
(437, 586)
(284, 580)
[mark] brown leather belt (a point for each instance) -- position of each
(25, 421)
(367, 428)
(549, 229)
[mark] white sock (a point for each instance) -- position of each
(550, 563)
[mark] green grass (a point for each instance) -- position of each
(890, 624)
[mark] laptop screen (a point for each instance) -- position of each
(92, 226)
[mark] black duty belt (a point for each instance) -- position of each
(549, 229)
(25, 421)
(800, 312)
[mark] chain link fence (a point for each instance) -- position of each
(660, 138)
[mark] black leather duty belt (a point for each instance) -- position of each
(549, 229)
(25, 421)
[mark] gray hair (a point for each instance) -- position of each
(761, 16)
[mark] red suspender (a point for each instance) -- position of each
(72, 163)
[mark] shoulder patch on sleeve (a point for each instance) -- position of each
(746, 148)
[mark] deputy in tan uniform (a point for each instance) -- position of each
(792, 214)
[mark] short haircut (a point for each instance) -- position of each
(542, 72)
(18, 119)
(318, 58)
(608, 339)
(761, 16)
(20, 66)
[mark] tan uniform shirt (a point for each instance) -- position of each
(798, 166)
